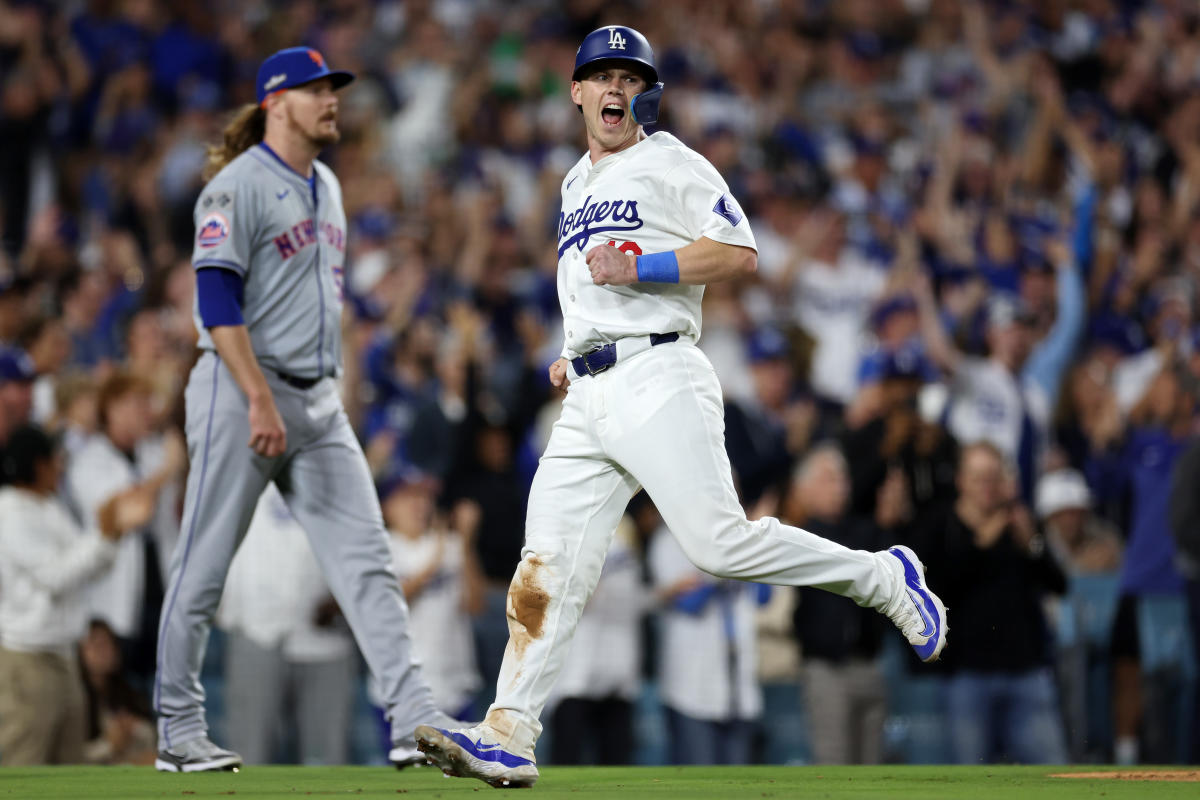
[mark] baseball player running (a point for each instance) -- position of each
(645, 223)
(263, 405)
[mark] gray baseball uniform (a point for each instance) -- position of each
(286, 237)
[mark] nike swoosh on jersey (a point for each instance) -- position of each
(572, 181)
(282, 194)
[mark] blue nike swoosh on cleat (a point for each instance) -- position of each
(928, 610)
(282, 194)
(930, 627)
(486, 752)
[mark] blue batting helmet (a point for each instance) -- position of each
(617, 43)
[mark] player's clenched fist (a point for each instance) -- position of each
(611, 266)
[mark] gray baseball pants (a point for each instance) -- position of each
(328, 487)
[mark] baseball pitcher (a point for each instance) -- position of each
(263, 405)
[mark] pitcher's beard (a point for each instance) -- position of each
(326, 139)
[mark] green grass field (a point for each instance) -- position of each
(632, 783)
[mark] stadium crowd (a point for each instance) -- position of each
(972, 330)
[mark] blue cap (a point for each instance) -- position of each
(406, 477)
(907, 362)
(16, 365)
(293, 67)
(766, 344)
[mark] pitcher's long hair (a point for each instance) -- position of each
(245, 130)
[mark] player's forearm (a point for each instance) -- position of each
(702, 261)
(233, 345)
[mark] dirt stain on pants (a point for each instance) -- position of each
(527, 604)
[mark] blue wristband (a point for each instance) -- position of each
(658, 268)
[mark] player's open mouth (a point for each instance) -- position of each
(612, 114)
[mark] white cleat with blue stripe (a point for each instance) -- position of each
(467, 754)
(916, 611)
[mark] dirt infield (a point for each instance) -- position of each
(1137, 775)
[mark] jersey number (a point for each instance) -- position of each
(631, 248)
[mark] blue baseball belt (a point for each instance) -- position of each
(604, 357)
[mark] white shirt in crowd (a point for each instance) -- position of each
(988, 403)
(695, 676)
(606, 654)
(97, 472)
(1132, 376)
(832, 304)
(275, 586)
(45, 563)
(438, 624)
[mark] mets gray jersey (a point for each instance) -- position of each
(286, 238)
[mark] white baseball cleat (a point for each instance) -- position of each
(196, 755)
(467, 754)
(916, 611)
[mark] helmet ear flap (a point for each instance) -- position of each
(645, 105)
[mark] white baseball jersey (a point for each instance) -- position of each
(655, 196)
(989, 403)
(832, 303)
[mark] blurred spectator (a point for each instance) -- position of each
(764, 433)
(845, 692)
(833, 287)
(1152, 590)
(711, 703)
(1080, 541)
(290, 663)
(592, 703)
(1006, 398)
(1185, 524)
(990, 564)
(119, 720)
(440, 577)
(16, 391)
(889, 441)
(45, 563)
(75, 417)
(129, 455)
(1088, 548)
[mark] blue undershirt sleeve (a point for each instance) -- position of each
(219, 294)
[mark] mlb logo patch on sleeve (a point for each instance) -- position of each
(213, 230)
(728, 209)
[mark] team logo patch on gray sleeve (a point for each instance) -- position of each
(213, 230)
(728, 209)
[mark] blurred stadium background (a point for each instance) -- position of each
(977, 220)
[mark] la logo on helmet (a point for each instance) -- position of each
(615, 40)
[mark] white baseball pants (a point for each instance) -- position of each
(654, 420)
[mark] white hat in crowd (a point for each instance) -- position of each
(1061, 490)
